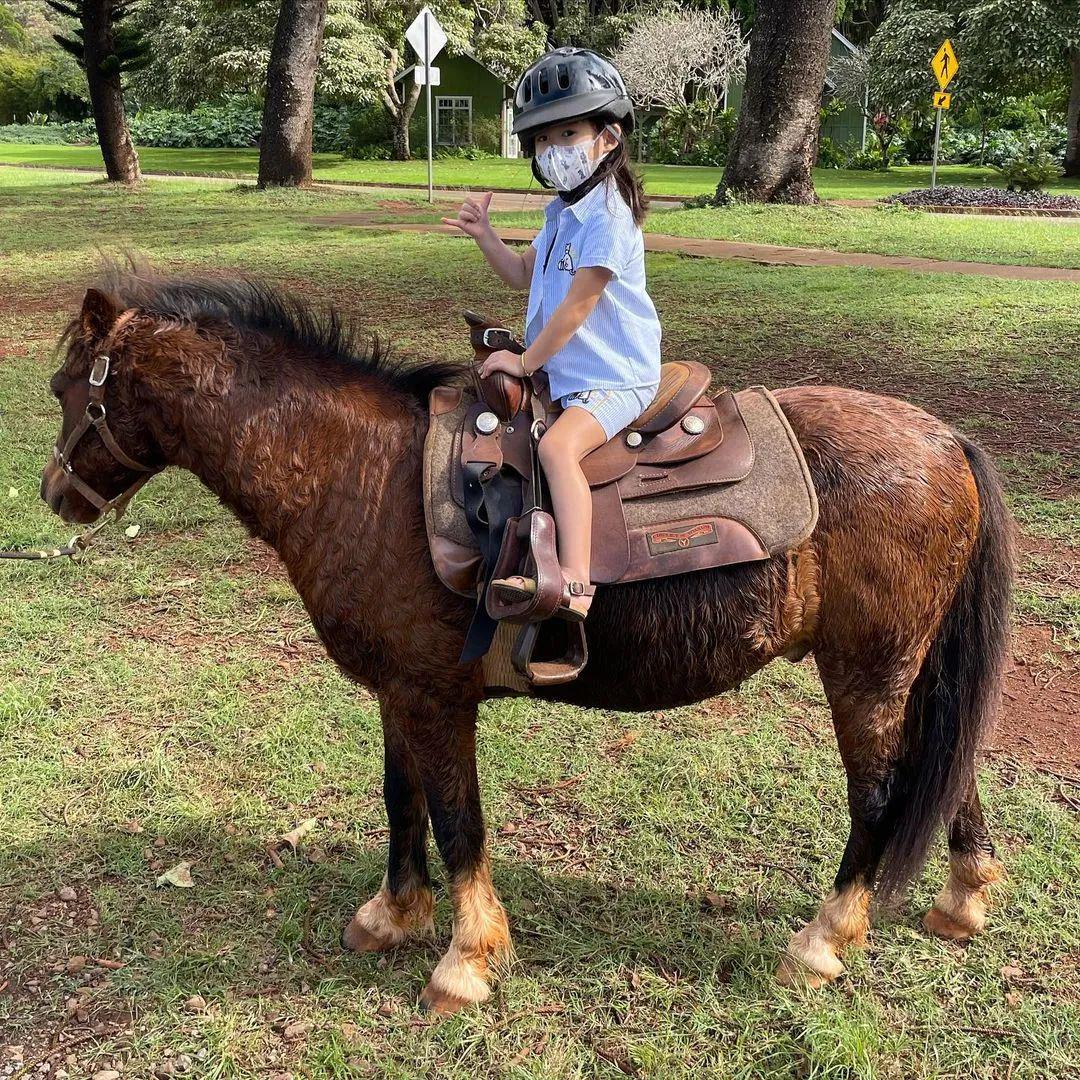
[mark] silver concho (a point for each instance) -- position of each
(486, 423)
(633, 438)
(693, 425)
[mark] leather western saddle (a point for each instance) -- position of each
(685, 441)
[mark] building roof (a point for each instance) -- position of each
(468, 54)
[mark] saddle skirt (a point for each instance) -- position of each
(695, 483)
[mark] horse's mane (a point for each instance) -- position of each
(336, 342)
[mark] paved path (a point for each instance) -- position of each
(766, 254)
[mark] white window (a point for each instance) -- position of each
(453, 121)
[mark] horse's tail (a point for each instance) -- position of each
(955, 697)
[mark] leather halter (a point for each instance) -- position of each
(94, 418)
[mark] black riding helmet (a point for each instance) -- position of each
(569, 83)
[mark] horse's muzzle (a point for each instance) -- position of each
(61, 499)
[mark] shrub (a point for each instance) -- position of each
(233, 123)
(462, 153)
(73, 131)
(370, 134)
(50, 135)
(704, 133)
(1031, 170)
(863, 160)
(332, 133)
(487, 134)
(829, 155)
(963, 146)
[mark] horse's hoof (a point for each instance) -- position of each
(357, 938)
(440, 1003)
(794, 972)
(943, 925)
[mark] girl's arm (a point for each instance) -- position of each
(589, 282)
(473, 220)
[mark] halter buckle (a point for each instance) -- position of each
(100, 371)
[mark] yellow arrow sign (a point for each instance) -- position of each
(942, 100)
(945, 64)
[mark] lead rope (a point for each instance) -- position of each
(75, 546)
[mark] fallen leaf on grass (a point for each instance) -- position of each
(624, 741)
(290, 842)
(179, 876)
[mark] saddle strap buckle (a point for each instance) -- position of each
(507, 336)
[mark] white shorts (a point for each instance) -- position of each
(613, 409)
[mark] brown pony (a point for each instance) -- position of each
(313, 438)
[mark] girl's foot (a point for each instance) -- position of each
(574, 605)
(577, 598)
(514, 589)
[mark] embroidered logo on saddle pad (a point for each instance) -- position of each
(665, 540)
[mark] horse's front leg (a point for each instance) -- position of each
(402, 907)
(443, 740)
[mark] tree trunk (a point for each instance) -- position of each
(400, 104)
(106, 94)
(401, 150)
(1072, 149)
(772, 153)
(289, 109)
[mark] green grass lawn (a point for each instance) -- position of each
(494, 172)
(165, 700)
(892, 231)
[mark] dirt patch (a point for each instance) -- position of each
(1053, 566)
(59, 301)
(1040, 714)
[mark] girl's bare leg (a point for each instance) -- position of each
(573, 435)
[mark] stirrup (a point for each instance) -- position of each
(558, 671)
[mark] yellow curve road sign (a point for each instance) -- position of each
(942, 100)
(945, 64)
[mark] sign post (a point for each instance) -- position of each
(427, 38)
(945, 66)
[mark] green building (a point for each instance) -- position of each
(472, 106)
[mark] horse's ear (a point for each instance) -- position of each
(99, 314)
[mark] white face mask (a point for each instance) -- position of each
(565, 167)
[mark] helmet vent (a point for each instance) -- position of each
(562, 77)
(542, 81)
(526, 90)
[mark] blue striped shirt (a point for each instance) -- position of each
(618, 345)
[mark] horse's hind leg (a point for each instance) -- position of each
(403, 906)
(867, 729)
(959, 912)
